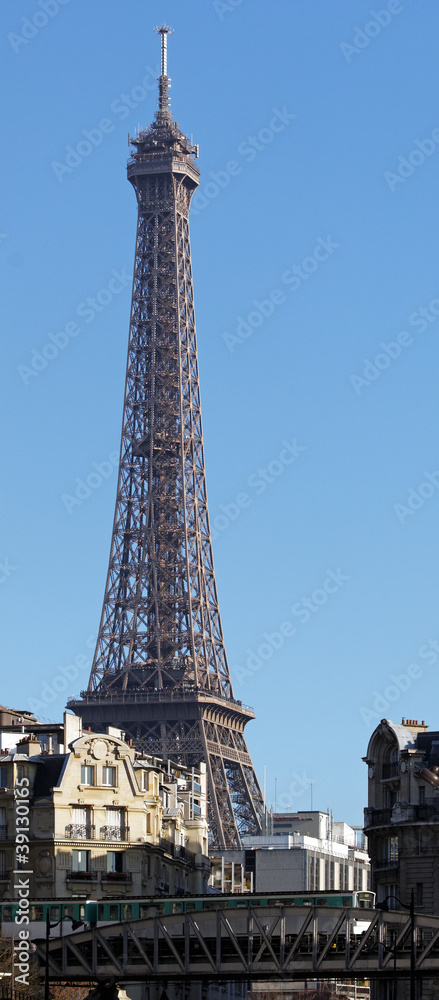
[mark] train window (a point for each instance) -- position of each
(322, 901)
(36, 913)
(55, 912)
(68, 911)
(127, 911)
(114, 911)
(177, 907)
(7, 914)
(190, 907)
(81, 911)
(345, 900)
(101, 911)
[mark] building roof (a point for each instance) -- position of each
(48, 772)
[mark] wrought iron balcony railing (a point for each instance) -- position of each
(114, 832)
(377, 817)
(80, 831)
(177, 851)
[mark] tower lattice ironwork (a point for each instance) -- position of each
(160, 669)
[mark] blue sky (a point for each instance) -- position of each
(314, 241)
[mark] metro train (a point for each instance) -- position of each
(88, 912)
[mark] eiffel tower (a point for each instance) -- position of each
(160, 670)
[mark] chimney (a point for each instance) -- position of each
(29, 746)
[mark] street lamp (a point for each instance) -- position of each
(384, 906)
(49, 927)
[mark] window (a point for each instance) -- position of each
(391, 851)
(113, 829)
(109, 776)
(36, 913)
(332, 874)
(80, 825)
(20, 772)
(392, 798)
(55, 912)
(344, 877)
(3, 827)
(314, 874)
(2, 864)
(115, 862)
(419, 843)
(87, 774)
(145, 785)
(390, 892)
(419, 894)
(421, 794)
(81, 861)
(3, 777)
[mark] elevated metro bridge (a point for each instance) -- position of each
(272, 942)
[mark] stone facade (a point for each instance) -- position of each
(104, 820)
(402, 820)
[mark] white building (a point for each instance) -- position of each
(309, 853)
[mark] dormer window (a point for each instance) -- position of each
(391, 763)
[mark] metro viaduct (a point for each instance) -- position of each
(259, 943)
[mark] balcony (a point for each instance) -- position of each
(82, 876)
(377, 817)
(177, 851)
(116, 877)
(402, 813)
(386, 863)
(114, 833)
(80, 831)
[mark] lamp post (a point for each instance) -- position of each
(49, 927)
(411, 907)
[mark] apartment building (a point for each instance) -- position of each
(103, 819)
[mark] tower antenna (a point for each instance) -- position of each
(164, 112)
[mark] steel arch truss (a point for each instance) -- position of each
(282, 942)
